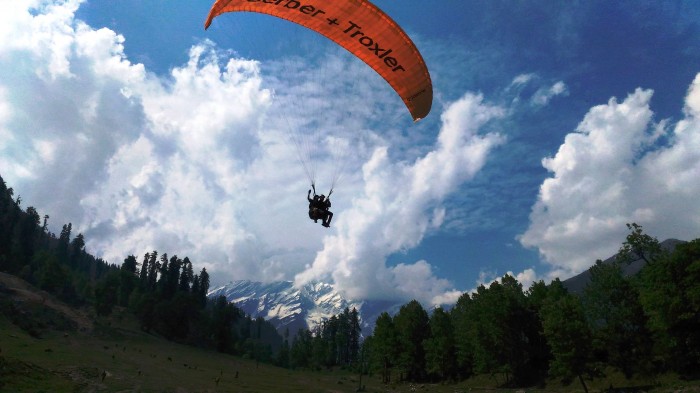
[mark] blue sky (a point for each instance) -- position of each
(554, 123)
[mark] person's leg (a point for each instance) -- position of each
(327, 219)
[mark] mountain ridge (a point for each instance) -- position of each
(577, 283)
(292, 308)
(305, 307)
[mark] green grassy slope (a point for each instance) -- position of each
(45, 346)
(134, 361)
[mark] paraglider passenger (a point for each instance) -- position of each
(318, 208)
(314, 206)
(327, 214)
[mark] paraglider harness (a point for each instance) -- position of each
(318, 207)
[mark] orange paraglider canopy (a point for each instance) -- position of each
(361, 28)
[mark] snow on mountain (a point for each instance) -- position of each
(292, 308)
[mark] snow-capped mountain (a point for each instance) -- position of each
(293, 308)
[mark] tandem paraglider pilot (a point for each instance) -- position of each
(318, 208)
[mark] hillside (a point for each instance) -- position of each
(577, 283)
(62, 349)
(79, 324)
(19, 291)
(48, 346)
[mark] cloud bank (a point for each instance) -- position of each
(619, 166)
(391, 212)
(198, 162)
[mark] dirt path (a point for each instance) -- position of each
(23, 291)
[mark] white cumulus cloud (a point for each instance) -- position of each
(616, 169)
(199, 163)
(394, 211)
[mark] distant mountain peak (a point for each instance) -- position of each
(289, 307)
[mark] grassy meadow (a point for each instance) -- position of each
(124, 359)
(46, 346)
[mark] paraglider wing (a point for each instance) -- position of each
(361, 28)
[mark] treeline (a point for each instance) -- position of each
(168, 298)
(333, 342)
(58, 265)
(162, 292)
(640, 325)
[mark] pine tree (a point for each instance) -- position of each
(203, 286)
(64, 243)
(385, 346)
(173, 276)
(195, 290)
(465, 333)
(440, 346)
(342, 337)
(106, 293)
(412, 330)
(143, 272)
(301, 350)
(77, 251)
(617, 319)
(503, 330)
(670, 295)
(153, 267)
(569, 338)
(329, 333)
(283, 354)
(162, 282)
(26, 231)
(52, 276)
(639, 245)
(9, 212)
(223, 320)
(355, 331)
(127, 279)
(186, 276)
